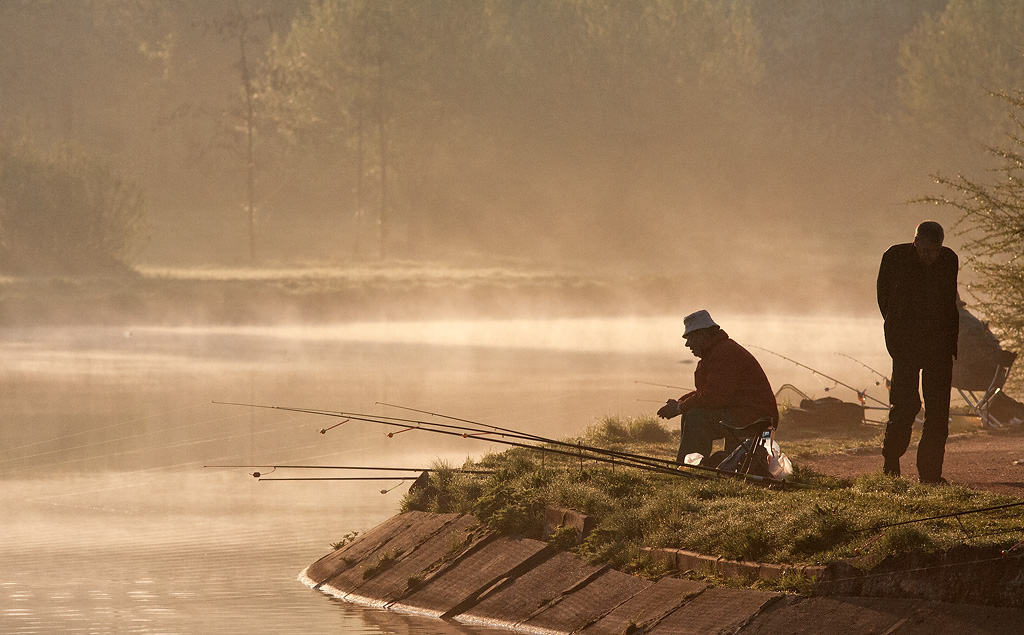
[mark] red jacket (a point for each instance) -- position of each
(729, 378)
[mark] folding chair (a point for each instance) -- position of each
(752, 453)
(980, 404)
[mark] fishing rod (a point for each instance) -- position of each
(401, 480)
(638, 458)
(639, 461)
(475, 432)
(861, 394)
(647, 463)
(885, 378)
(647, 383)
(523, 435)
(358, 467)
(348, 467)
(341, 478)
(496, 429)
(977, 510)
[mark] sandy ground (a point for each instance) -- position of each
(985, 460)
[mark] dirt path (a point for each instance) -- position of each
(985, 460)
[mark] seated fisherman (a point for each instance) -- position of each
(731, 389)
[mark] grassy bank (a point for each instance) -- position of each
(824, 521)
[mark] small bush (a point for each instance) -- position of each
(346, 539)
(564, 538)
(66, 213)
(511, 512)
(383, 563)
(903, 539)
(819, 529)
(614, 429)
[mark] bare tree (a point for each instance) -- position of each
(992, 223)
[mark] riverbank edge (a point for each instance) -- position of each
(447, 566)
(468, 574)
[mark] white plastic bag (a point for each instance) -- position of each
(778, 463)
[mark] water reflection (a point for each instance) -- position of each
(112, 524)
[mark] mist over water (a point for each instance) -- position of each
(113, 524)
(323, 167)
(144, 396)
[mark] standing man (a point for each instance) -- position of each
(731, 388)
(917, 297)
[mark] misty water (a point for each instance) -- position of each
(112, 524)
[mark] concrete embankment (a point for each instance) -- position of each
(448, 566)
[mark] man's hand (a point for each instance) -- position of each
(669, 410)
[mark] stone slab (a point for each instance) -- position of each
(739, 570)
(862, 616)
(400, 544)
(716, 610)
(522, 597)
(416, 525)
(576, 609)
(394, 581)
(650, 604)
(555, 517)
(460, 584)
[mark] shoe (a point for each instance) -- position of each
(937, 481)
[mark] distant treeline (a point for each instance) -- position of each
(310, 129)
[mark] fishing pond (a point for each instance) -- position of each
(113, 523)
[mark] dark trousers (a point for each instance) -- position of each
(936, 376)
(700, 428)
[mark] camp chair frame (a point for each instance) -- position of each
(759, 434)
(980, 404)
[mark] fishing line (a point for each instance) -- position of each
(118, 475)
(325, 430)
(165, 446)
(94, 444)
(385, 491)
(307, 457)
(92, 430)
(163, 468)
(885, 378)
(392, 434)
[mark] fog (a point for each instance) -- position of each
(498, 211)
(756, 144)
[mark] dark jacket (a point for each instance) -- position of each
(918, 303)
(728, 377)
